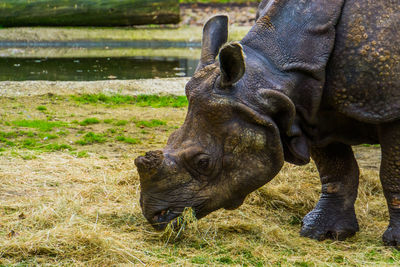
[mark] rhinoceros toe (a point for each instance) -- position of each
(391, 237)
(329, 224)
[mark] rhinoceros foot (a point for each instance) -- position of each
(391, 237)
(332, 223)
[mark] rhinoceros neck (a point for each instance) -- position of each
(298, 37)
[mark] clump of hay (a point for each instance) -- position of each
(175, 228)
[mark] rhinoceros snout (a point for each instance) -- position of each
(148, 164)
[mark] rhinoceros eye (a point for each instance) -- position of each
(202, 164)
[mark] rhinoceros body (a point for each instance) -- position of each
(311, 78)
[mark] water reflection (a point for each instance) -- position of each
(94, 68)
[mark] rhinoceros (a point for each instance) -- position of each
(309, 80)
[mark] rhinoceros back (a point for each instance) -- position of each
(363, 74)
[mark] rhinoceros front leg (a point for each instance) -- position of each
(334, 216)
(389, 135)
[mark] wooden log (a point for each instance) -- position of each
(15, 13)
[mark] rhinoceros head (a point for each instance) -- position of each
(230, 143)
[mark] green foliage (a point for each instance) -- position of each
(41, 125)
(89, 121)
(91, 138)
(140, 100)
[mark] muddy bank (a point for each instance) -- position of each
(174, 86)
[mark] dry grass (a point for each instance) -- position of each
(59, 209)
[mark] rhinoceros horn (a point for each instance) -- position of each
(149, 164)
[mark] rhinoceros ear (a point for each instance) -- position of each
(215, 34)
(282, 110)
(232, 63)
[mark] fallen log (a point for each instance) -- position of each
(16, 13)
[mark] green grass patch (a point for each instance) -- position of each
(41, 108)
(33, 144)
(48, 136)
(128, 140)
(108, 121)
(25, 156)
(62, 132)
(4, 140)
(91, 138)
(225, 260)
(121, 123)
(369, 145)
(140, 100)
(111, 131)
(89, 121)
(81, 154)
(199, 260)
(28, 133)
(41, 125)
(29, 143)
(6, 135)
(56, 147)
(150, 123)
(32, 141)
(116, 122)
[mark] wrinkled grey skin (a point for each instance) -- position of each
(310, 79)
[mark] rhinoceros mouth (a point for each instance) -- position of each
(163, 217)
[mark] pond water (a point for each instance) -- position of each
(94, 68)
(91, 64)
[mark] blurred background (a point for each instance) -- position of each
(91, 40)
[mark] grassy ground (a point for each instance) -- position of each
(69, 194)
(48, 34)
(219, 1)
(191, 53)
